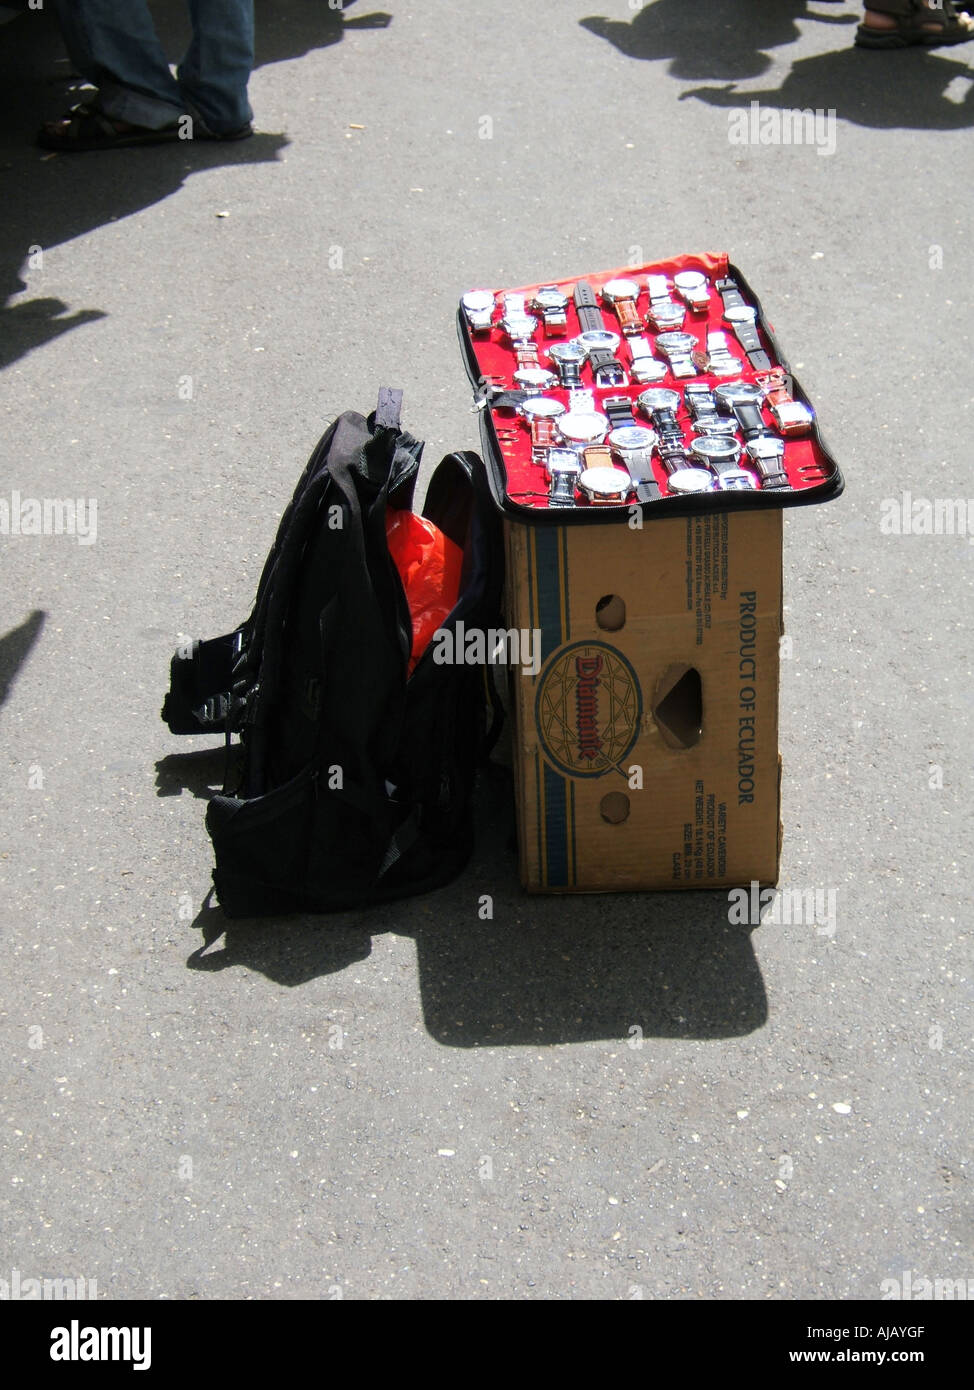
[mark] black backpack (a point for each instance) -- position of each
(356, 782)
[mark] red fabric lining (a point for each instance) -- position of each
(805, 462)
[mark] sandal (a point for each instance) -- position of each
(86, 128)
(916, 24)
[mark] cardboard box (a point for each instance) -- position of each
(646, 739)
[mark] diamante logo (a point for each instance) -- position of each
(588, 709)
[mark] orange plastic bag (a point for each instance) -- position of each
(429, 566)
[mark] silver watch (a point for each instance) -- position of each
(676, 348)
(645, 368)
(693, 288)
(478, 306)
(721, 361)
(664, 312)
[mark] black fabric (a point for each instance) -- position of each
(356, 782)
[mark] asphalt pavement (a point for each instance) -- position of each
(599, 1097)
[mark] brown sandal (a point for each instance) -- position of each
(916, 25)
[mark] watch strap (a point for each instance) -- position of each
(619, 410)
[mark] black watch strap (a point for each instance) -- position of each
(619, 411)
(750, 419)
(587, 307)
(606, 369)
(648, 492)
(729, 293)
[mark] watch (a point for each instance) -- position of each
(562, 468)
(569, 360)
(719, 358)
(477, 306)
(693, 289)
(719, 453)
(743, 319)
(519, 326)
(664, 312)
(578, 429)
(602, 484)
(541, 412)
(644, 367)
(535, 378)
(690, 480)
(701, 403)
(551, 303)
(605, 367)
(767, 455)
(658, 398)
(790, 416)
(621, 295)
(676, 348)
(633, 445)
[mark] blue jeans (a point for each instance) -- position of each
(113, 43)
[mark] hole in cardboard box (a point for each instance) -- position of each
(610, 612)
(614, 807)
(678, 707)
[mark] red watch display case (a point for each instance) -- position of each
(519, 483)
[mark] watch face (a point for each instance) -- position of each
(536, 407)
(550, 299)
(740, 313)
(765, 447)
(582, 427)
(567, 352)
(620, 289)
(676, 342)
(715, 424)
(659, 398)
(598, 340)
(562, 463)
(690, 280)
(610, 483)
(632, 437)
(537, 378)
(648, 369)
(477, 301)
(713, 447)
(690, 480)
(519, 326)
(731, 393)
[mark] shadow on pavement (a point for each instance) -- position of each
(725, 39)
(729, 41)
(904, 90)
(15, 648)
(543, 970)
(51, 199)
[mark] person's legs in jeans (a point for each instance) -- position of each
(213, 75)
(113, 43)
